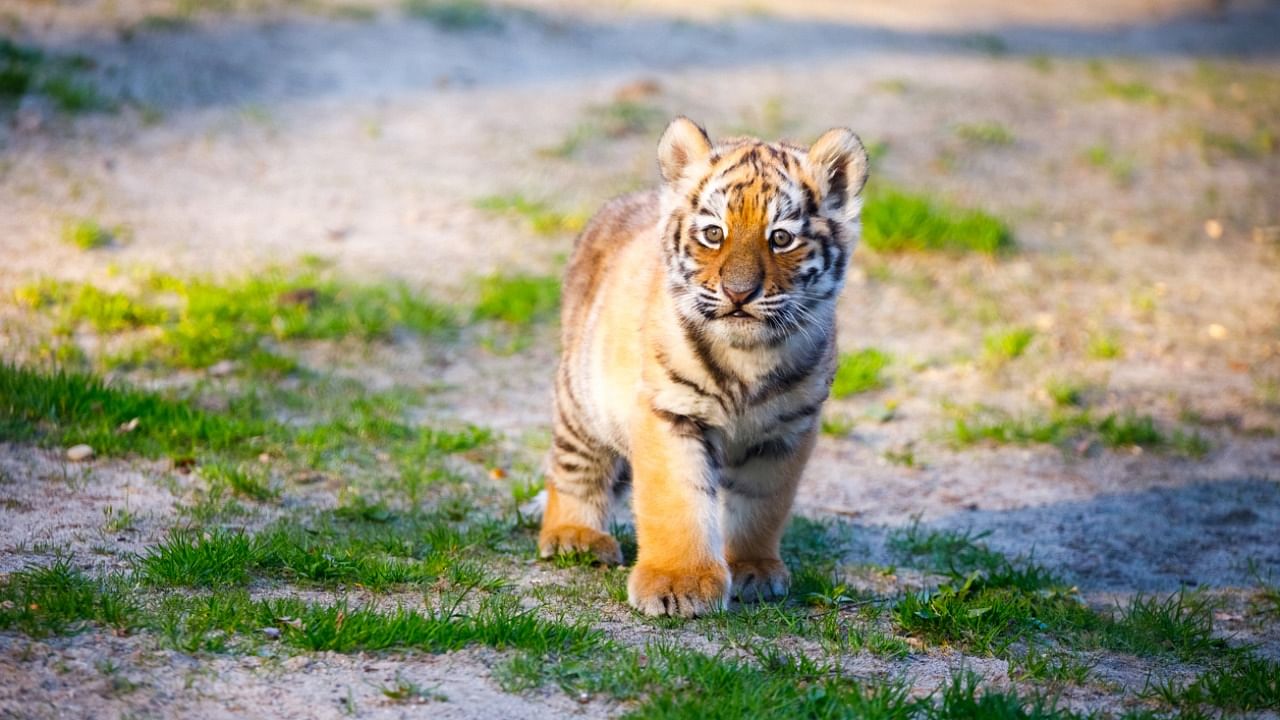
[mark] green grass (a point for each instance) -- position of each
(230, 621)
(1114, 430)
(195, 323)
(87, 234)
(1057, 667)
(668, 682)
(366, 546)
(538, 214)
(985, 133)
(26, 70)
(1104, 346)
(1002, 346)
(242, 479)
(1265, 602)
(1239, 683)
(518, 299)
(617, 119)
(897, 221)
(1180, 624)
(1133, 90)
(218, 559)
(838, 425)
(67, 408)
(1066, 393)
(957, 552)
(660, 681)
(990, 603)
(60, 600)
(453, 14)
(1121, 168)
(1259, 143)
(104, 311)
(859, 372)
(366, 430)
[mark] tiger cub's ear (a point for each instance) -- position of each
(838, 164)
(682, 144)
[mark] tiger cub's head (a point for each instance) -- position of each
(758, 235)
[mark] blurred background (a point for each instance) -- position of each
(348, 218)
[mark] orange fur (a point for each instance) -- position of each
(698, 347)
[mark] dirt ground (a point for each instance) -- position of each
(253, 136)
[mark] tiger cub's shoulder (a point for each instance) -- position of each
(613, 227)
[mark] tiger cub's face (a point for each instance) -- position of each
(758, 235)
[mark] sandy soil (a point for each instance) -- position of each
(256, 136)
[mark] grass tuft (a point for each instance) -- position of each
(1104, 346)
(69, 408)
(196, 323)
(1130, 90)
(518, 299)
(87, 234)
(1067, 393)
(618, 119)
(1240, 684)
(362, 545)
(242, 479)
(540, 216)
(985, 133)
(859, 372)
(454, 14)
(1005, 345)
(1122, 169)
(26, 70)
(896, 221)
(60, 600)
(1115, 430)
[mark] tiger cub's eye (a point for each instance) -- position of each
(781, 239)
(712, 236)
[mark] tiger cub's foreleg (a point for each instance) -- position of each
(681, 568)
(579, 491)
(759, 488)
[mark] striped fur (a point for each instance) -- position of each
(698, 348)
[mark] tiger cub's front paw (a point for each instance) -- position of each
(678, 591)
(761, 579)
(575, 538)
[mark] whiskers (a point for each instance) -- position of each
(789, 314)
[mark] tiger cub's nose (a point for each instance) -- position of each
(741, 293)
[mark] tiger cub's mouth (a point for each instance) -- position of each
(739, 314)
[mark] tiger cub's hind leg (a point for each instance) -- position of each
(579, 491)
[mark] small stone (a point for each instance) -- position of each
(79, 453)
(273, 633)
(129, 426)
(1213, 229)
(1217, 332)
(304, 296)
(222, 368)
(638, 90)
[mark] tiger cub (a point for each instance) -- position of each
(698, 347)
